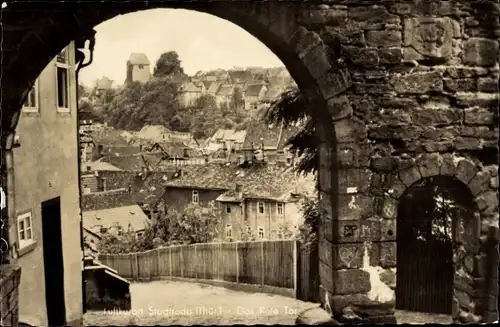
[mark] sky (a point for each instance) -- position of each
(202, 41)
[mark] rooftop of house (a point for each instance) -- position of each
(273, 93)
(189, 87)
(107, 199)
(152, 131)
(138, 59)
(99, 165)
(254, 90)
(269, 133)
(104, 83)
(127, 162)
(258, 181)
(214, 87)
(225, 90)
(126, 216)
(108, 136)
(121, 150)
(241, 76)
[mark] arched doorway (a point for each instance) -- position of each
(431, 218)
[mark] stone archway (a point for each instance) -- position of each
(45, 32)
(472, 260)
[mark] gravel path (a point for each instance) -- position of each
(172, 302)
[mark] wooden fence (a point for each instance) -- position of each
(276, 264)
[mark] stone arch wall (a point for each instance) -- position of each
(472, 259)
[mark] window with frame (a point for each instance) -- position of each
(31, 103)
(62, 67)
(279, 209)
(241, 209)
(228, 208)
(260, 207)
(229, 231)
(195, 198)
(261, 232)
(25, 230)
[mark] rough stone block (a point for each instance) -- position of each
(396, 188)
(389, 208)
(460, 85)
(395, 117)
(358, 230)
(325, 252)
(355, 206)
(349, 34)
(485, 100)
(487, 85)
(316, 317)
(406, 103)
(353, 155)
(487, 203)
(326, 276)
(429, 165)
(410, 176)
(479, 116)
(334, 82)
(387, 252)
(428, 37)
(364, 57)
(326, 229)
(440, 146)
(372, 88)
(348, 256)
(350, 131)
(383, 39)
(388, 230)
(303, 41)
(351, 281)
(339, 107)
(370, 14)
(354, 179)
(426, 117)
(465, 171)
(317, 61)
(390, 56)
(336, 17)
(480, 52)
(383, 164)
(479, 183)
(448, 167)
(418, 83)
(494, 183)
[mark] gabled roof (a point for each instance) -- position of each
(241, 76)
(138, 59)
(108, 136)
(125, 216)
(259, 181)
(254, 90)
(269, 133)
(225, 90)
(273, 93)
(213, 88)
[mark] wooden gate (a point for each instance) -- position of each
(424, 280)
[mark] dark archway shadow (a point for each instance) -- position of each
(435, 218)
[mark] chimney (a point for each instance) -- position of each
(237, 187)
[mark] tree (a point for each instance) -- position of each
(237, 101)
(116, 240)
(292, 107)
(168, 64)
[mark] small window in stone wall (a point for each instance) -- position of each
(261, 233)
(260, 208)
(228, 208)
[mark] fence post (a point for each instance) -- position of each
(263, 263)
(237, 263)
(196, 260)
(170, 261)
(136, 265)
(130, 256)
(182, 261)
(295, 264)
(158, 263)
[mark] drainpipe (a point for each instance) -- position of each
(10, 209)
